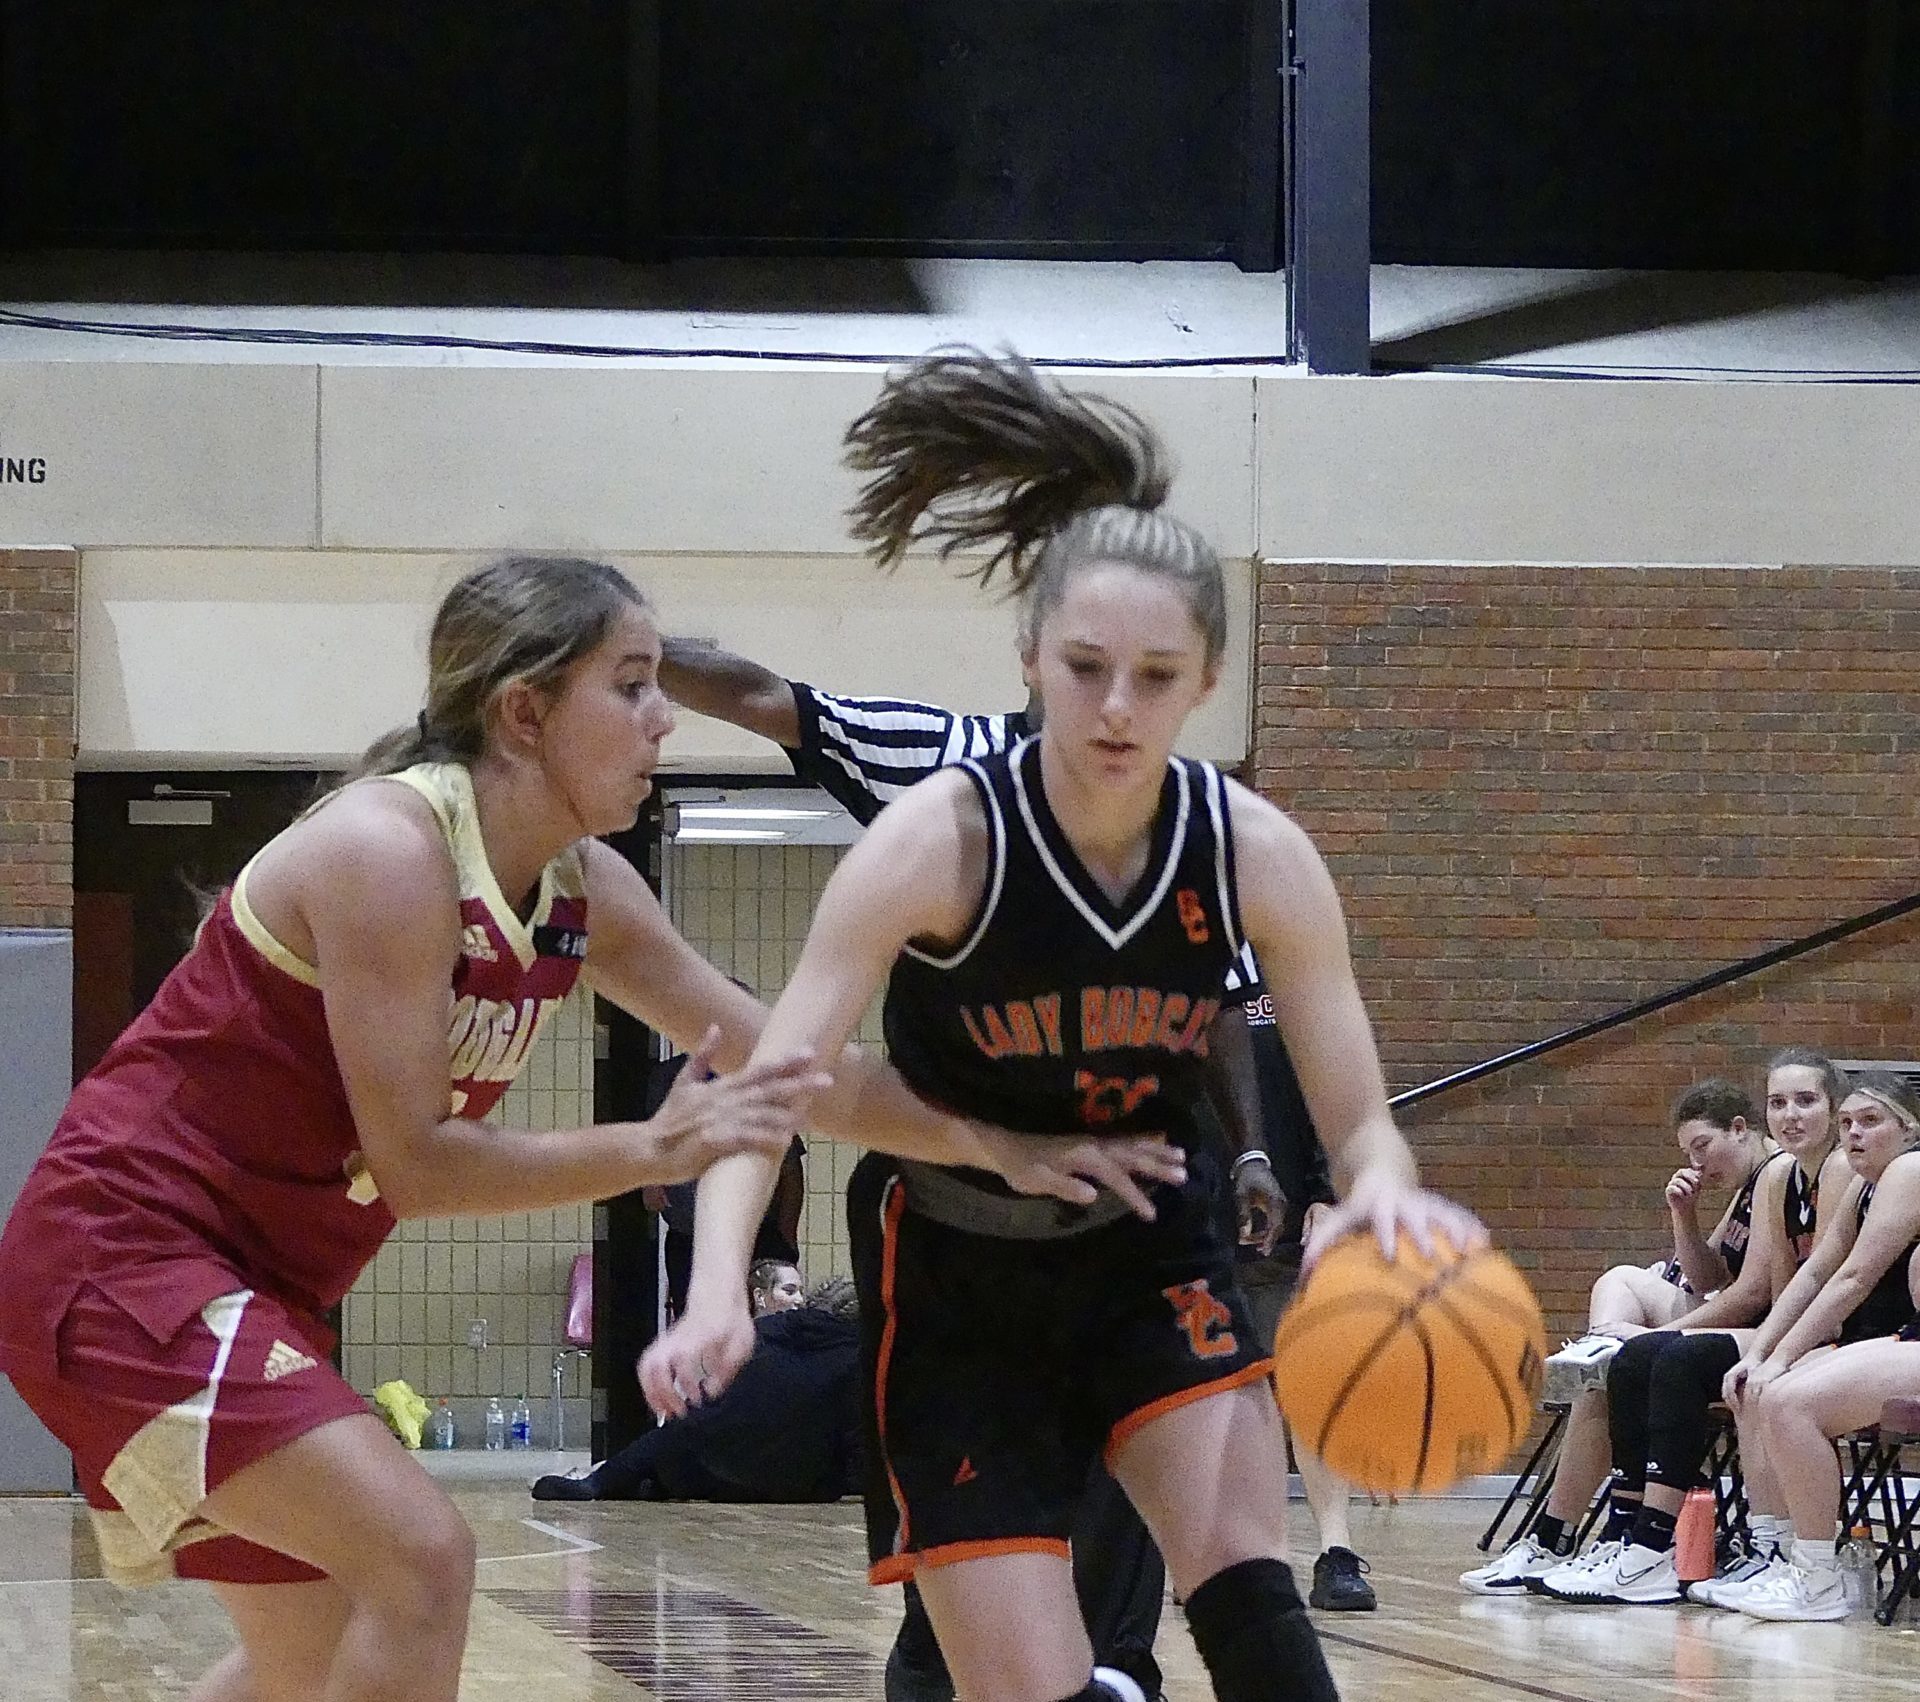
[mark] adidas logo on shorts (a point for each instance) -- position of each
(283, 1361)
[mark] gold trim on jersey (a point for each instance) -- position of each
(256, 934)
(448, 789)
(159, 1477)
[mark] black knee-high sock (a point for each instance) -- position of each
(1623, 1512)
(1654, 1529)
(1252, 1631)
(1554, 1535)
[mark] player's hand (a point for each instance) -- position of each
(697, 1357)
(1259, 1203)
(1075, 1168)
(1683, 1192)
(706, 1117)
(1385, 1203)
(1747, 1381)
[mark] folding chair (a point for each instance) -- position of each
(1897, 1554)
(1535, 1480)
(1535, 1483)
(1722, 1471)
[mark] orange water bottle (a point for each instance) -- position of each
(1693, 1537)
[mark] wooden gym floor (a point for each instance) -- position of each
(631, 1602)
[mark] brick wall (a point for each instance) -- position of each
(1548, 792)
(38, 592)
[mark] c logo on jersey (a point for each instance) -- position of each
(1193, 915)
(1209, 1325)
(1106, 1099)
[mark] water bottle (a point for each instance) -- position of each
(1857, 1575)
(440, 1431)
(520, 1425)
(496, 1424)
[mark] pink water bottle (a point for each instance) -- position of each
(1693, 1537)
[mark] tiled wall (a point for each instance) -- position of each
(746, 909)
(408, 1315)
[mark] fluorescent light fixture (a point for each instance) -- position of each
(727, 812)
(737, 835)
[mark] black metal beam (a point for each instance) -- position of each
(642, 237)
(1876, 191)
(1329, 184)
(1259, 247)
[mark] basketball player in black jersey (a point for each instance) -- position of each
(1055, 927)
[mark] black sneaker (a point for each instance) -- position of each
(1338, 1585)
(556, 1487)
(907, 1682)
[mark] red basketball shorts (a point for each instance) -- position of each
(156, 1426)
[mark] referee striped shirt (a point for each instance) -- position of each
(863, 752)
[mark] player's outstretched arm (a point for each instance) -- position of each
(715, 682)
(1293, 917)
(637, 959)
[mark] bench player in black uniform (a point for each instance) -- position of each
(1058, 922)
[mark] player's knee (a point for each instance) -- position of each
(1252, 1631)
(430, 1570)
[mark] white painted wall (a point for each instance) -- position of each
(199, 657)
(261, 543)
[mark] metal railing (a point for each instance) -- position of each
(1662, 1001)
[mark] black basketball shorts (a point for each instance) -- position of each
(999, 1370)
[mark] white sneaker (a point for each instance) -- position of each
(1738, 1572)
(1632, 1574)
(1732, 1595)
(1573, 1574)
(1798, 1592)
(1508, 1575)
(1579, 1366)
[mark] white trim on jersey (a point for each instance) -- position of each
(1115, 938)
(996, 876)
(1243, 973)
(1217, 809)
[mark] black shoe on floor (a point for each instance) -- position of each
(1338, 1586)
(907, 1681)
(555, 1487)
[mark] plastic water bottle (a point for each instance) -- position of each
(496, 1424)
(1857, 1575)
(440, 1430)
(520, 1425)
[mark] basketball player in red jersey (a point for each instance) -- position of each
(1054, 925)
(317, 1067)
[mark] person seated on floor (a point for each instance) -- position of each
(788, 1428)
(1718, 1131)
(1859, 1290)
(1662, 1384)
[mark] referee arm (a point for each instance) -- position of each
(712, 681)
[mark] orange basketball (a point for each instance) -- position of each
(1414, 1373)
